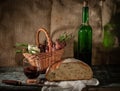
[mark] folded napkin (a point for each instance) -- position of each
(70, 85)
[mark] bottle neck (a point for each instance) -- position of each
(85, 15)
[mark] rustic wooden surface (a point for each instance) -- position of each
(109, 77)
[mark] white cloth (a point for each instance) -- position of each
(70, 85)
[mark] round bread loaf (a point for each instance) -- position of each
(69, 69)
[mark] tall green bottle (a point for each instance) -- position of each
(85, 36)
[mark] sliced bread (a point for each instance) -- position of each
(69, 69)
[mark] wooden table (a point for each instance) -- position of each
(108, 75)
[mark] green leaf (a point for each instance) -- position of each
(21, 45)
(65, 37)
(18, 51)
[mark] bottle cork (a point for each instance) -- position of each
(85, 3)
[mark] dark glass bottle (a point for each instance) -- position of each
(85, 37)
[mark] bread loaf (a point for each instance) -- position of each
(69, 69)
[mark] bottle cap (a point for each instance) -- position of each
(85, 3)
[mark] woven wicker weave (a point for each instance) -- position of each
(46, 58)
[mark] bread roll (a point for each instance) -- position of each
(69, 69)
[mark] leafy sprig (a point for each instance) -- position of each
(21, 47)
(65, 37)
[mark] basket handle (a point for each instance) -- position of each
(47, 36)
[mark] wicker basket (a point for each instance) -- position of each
(47, 58)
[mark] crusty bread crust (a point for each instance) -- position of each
(69, 69)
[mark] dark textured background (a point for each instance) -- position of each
(19, 20)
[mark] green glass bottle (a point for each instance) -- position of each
(85, 36)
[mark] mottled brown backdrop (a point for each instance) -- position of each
(19, 20)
